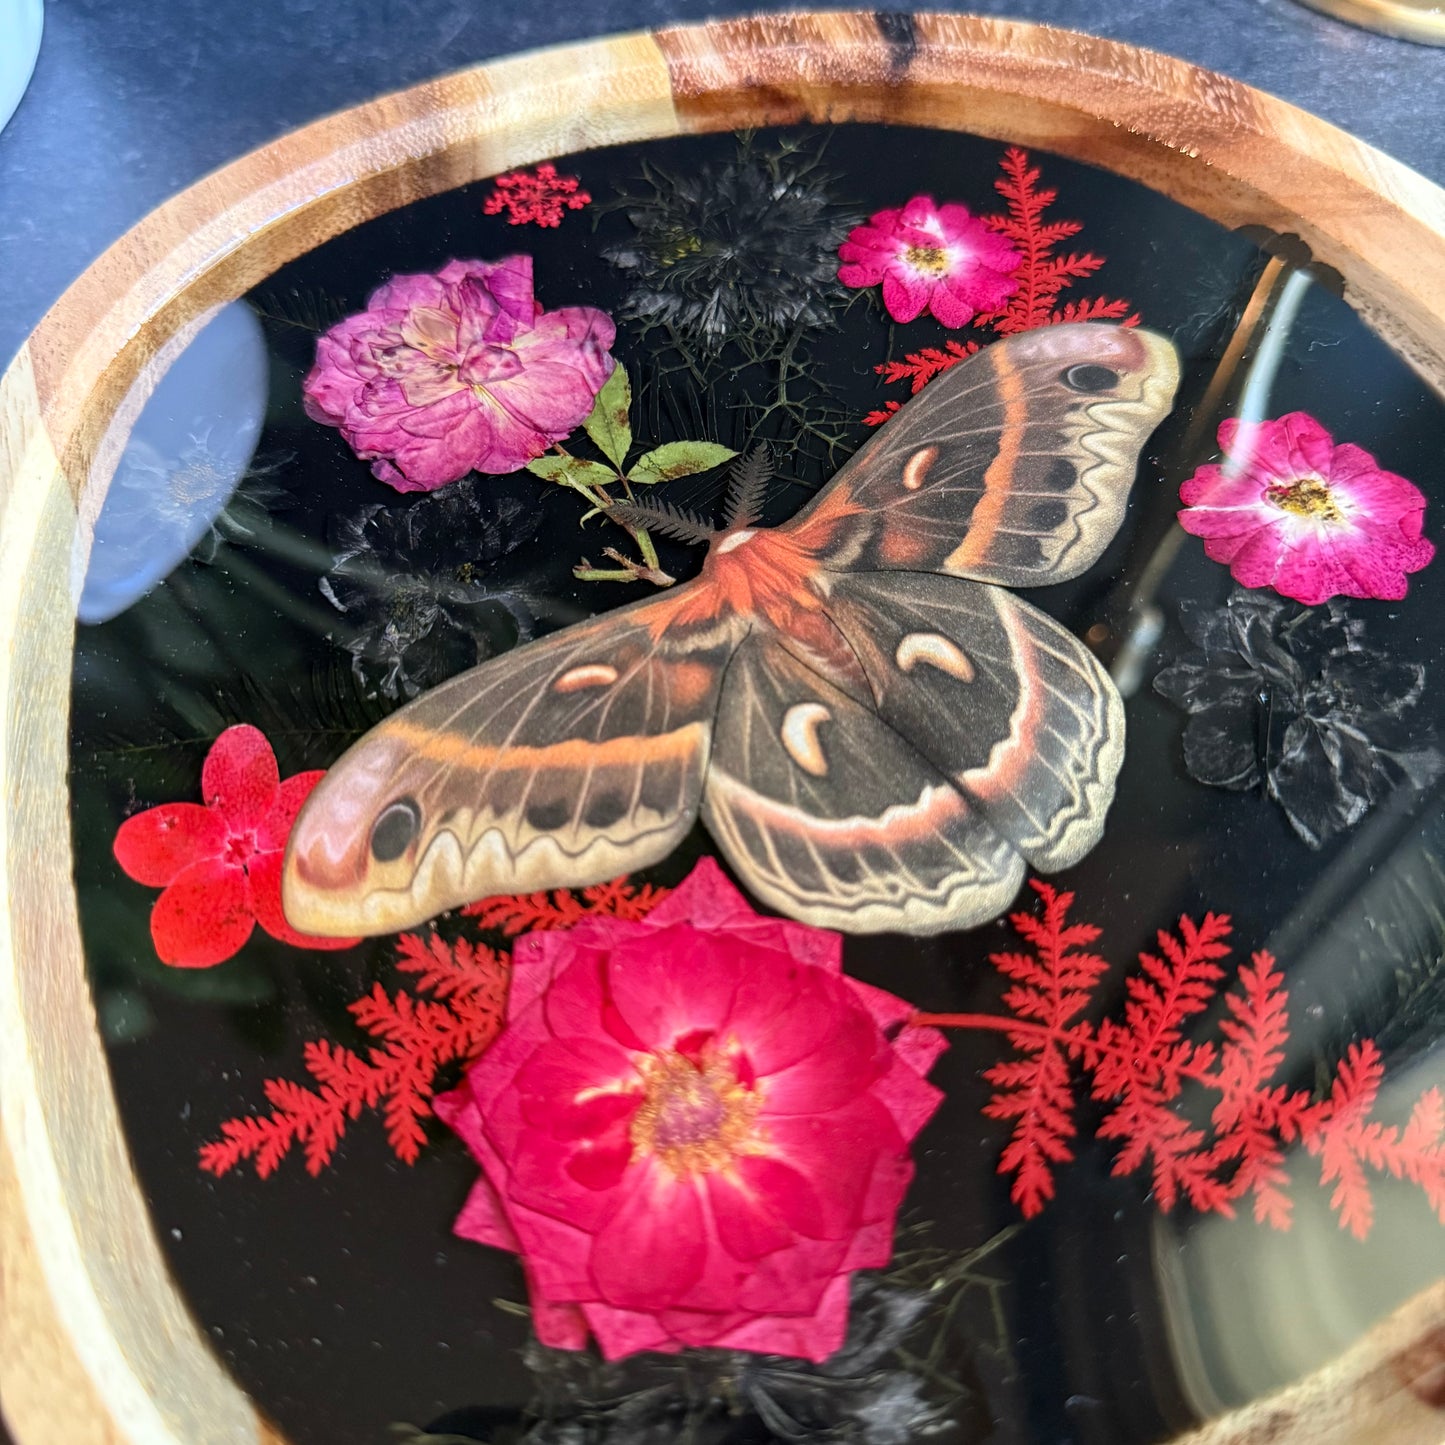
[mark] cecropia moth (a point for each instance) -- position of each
(876, 733)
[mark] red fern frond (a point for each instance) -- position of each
(887, 410)
(1051, 988)
(1042, 275)
(918, 368)
(457, 1008)
(417, 1037)
(1143, 1067)
(536, 912)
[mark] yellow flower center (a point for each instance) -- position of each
(1306, 497)
(678, 244)
(932, 260)
(695, 1117)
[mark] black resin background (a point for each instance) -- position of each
(343, 1303)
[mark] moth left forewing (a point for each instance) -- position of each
(830, 817)
(1014, 467)
(567, 762)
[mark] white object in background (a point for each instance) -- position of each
(20, 25)
(187, 452)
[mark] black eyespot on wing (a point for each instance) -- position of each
(547, 815)
(394, 830)
(1089, 378)
(605, 809)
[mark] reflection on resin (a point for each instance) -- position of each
(1192, 1081)
(193, 442)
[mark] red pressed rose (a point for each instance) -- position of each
(220, 864)
(693, 1128)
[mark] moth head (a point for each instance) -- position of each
(358, 843)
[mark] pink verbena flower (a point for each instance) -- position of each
(457, 372)
(1291, 510)
(930, 258)
(693, 1128)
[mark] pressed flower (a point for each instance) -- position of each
(693, 1128)
(1295, 701)
(1291, 510)
(537, 198)
(412, 582)
(940, 259)
(458, 371)
(220, 862)
(744, 251)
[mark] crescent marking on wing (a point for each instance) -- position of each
(799, 736)
(917, 467)
(935, 650)
(588, 674)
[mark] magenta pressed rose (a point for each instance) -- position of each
(693, 1128)
(457, 372)
(930, 258)
(1290, 510)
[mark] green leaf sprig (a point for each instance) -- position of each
(610, 429)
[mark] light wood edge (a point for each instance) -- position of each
(1388, 1388)
(108, 1313)
(108, 1308)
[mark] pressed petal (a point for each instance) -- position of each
(670, 983)
(275, 827)
(263, 872)
(782, 1014)
(904, 294)
(576, 1087)
(482, 1218)
(154, 847)
(854, 1057)
(833, 1155)
(559, 1326)
(626, 1332)
(949, 308)
(652, 1251)
(747, 1227)
(203, 917)
(810, 1337)
(239, 777)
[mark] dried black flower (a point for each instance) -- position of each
(1291, 699)
(411, 582)
(859, 1395)
(744, 251)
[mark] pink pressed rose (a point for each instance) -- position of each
(457, 372)
(1291, 510)
(930, 258)
(693, 1128)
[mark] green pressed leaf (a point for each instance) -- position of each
(678, 459)
(608, 425)
(572, 471)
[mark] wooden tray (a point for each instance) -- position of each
(96, 1344)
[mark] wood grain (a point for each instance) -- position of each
(96, 1345)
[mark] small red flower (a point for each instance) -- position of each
(940, 259)
(539, 198)
(220, 864)
(693, 1128)
(1291, 510)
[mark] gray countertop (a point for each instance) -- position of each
(132, 102)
